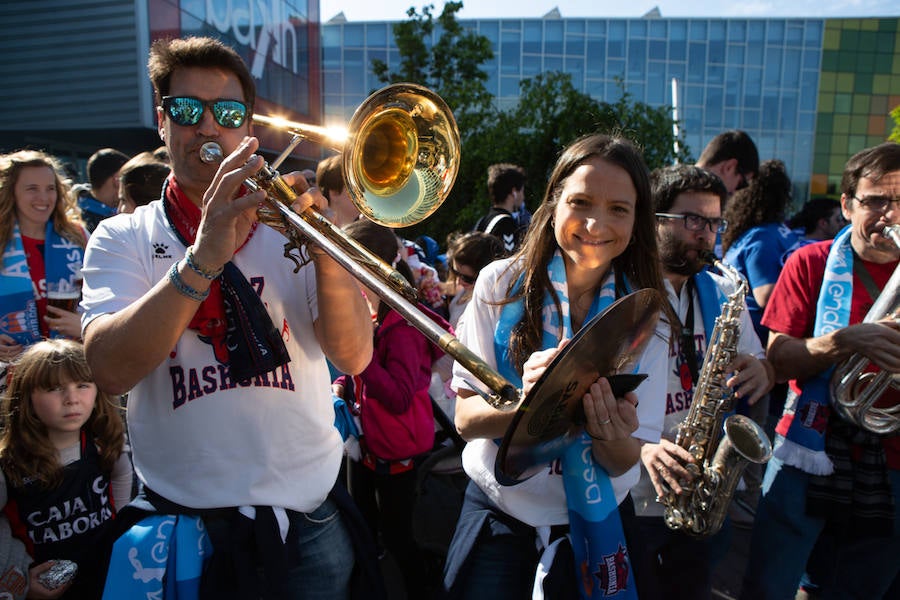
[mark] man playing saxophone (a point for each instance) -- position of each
(688, 204)
(830, 479)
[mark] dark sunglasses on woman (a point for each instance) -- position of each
(470, 279)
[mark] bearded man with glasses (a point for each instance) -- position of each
(688, 203)
(828, 479)
(223, 349)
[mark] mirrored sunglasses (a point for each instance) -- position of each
(187, 111)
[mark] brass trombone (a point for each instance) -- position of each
(400, 159)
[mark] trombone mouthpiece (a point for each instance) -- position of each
(211, 153)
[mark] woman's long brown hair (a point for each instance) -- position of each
(639, 263)
(65, 222)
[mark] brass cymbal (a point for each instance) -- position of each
(551, 416)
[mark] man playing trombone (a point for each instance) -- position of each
(831, 478)
(223, 349)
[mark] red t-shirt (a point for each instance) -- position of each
(34, 255)
(792, 309)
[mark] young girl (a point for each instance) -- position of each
(397, 417)
(63, 465)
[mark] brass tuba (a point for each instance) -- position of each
(701, 507)
(854, 390)
(400, 159)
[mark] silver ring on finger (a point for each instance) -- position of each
(605, 422)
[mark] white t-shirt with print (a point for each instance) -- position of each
(198, 438)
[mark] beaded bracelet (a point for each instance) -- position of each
(204, 273)
(184, 289)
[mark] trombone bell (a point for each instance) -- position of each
(402, 155)
(388, 149)
(399, 162)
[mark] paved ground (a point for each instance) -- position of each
(728, 574)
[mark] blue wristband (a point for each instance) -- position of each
(193, 266)
(184, 289)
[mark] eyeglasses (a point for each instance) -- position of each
(878, 203)
(187, 111)
(694, 222)
(470, 279)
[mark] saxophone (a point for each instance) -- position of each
(701, 507)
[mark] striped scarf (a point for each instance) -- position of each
(18, 300)
(602, 564)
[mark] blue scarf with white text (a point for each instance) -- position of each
(602, 564)
(18, 299)
(805, 417)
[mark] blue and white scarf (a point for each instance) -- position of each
(602, 565)
(805, 418)
(160, 557)
(18, 299)
(90, 204)
(711, 300)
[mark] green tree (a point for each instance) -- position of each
(451, 66)
(550, 114)
(530, 134)
(895, 134)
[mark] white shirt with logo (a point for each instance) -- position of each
(199, 438)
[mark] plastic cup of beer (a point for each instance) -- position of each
(63, 295)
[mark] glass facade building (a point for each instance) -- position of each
(792, 84)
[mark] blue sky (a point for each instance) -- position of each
(395, 10)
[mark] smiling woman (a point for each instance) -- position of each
(41, 244)
(592, 240)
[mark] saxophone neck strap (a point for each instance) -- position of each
(686, 345)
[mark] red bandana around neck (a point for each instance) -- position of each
(184, 216)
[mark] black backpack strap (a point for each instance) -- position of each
(447, 425)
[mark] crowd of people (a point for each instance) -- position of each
(279, 423)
